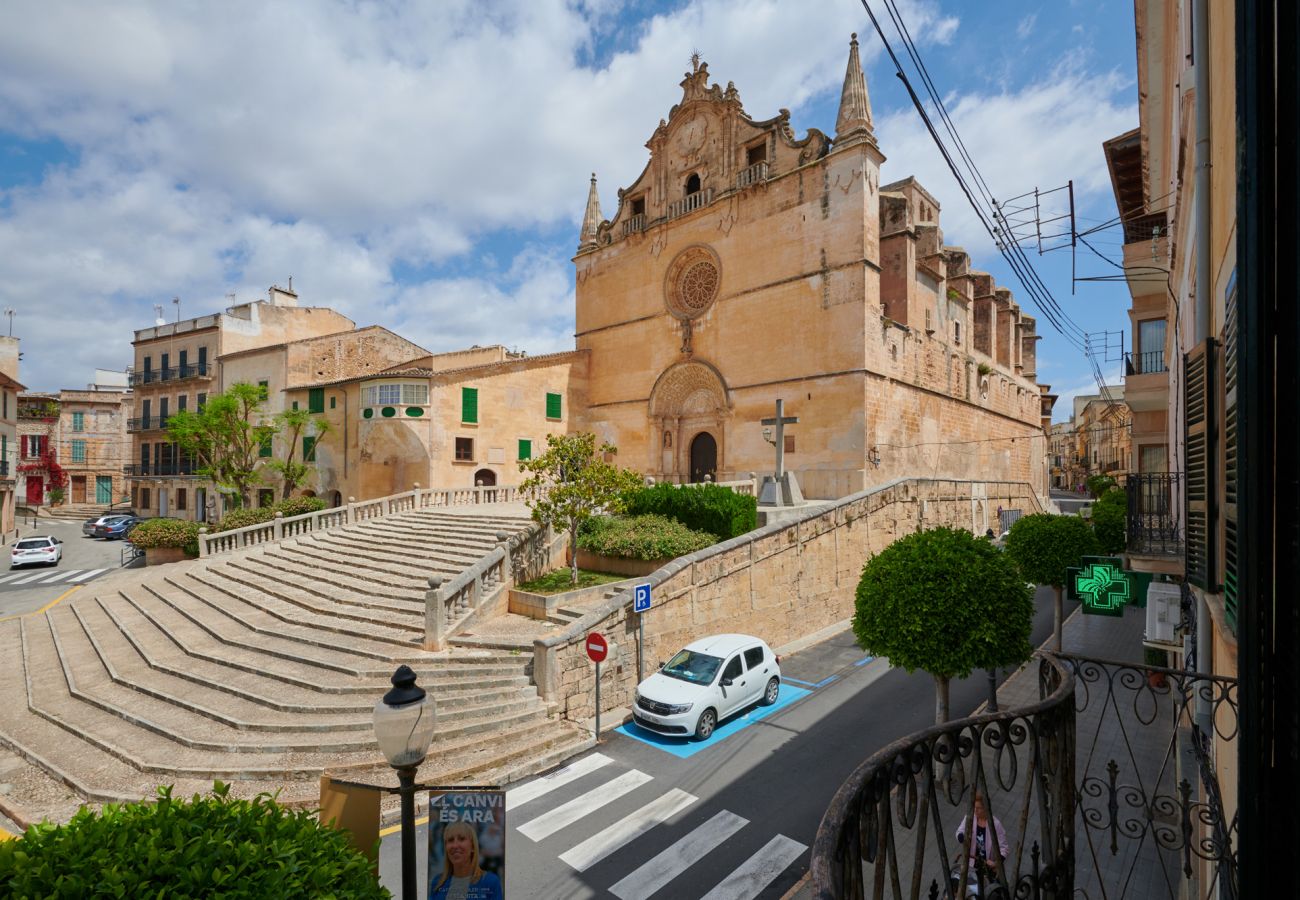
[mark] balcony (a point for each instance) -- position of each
(1146, 381)
(147, 423)
(755, 174)
(1103, 779)
(162, 470)
(1155, 527)
(174, 373)
(690, 203)
(4, 468)
(634, 225)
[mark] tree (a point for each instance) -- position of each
(1110, 521)
(569, 483)
(1098, 485)
(224, 438)
(294, 469)
(1043, 546)
(945, 602)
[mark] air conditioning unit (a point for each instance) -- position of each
(1163, 612)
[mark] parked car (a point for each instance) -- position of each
(116, 527)
(705, 682)
(88, 526)
(44, 550)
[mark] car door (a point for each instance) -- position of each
(733, 694)
(758, 669)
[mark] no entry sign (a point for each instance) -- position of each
(597, 648)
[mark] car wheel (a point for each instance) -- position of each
(704, 727)
(773, 690)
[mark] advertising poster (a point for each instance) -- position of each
(467, 845)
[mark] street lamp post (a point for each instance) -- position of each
(404, 722)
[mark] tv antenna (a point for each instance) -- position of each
(9, 311)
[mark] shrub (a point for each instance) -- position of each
(174, 533)
(1098, 485)
(1110, 521)
(297, 506)
(241, 518)
(704, 507)
(206, 847)
(641, 537)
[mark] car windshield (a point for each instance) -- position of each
(697, 668)
(115, 520)
(38, 544)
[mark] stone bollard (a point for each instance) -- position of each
(435, 619)
(203, 541)
(351, 514)
(278, 525)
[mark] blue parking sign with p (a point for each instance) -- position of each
(641, 598)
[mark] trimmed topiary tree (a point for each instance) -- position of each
(1043, 546)
(1110, 521)
(209, 846)
(945, 602)
(701, 507)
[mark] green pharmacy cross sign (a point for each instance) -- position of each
(1104, 588)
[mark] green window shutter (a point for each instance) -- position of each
(295, 404)
(265, 449)
(264, 388)
(78, 451)
(1200, 495)
(309, 449)
(78, 421)
(469, 405)
(525, 449)
(1229, 508)
(316, 400)
(554, 406)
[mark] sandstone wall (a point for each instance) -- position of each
(781, 583)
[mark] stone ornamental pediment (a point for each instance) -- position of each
(689, 389)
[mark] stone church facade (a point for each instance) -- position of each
(746, 265)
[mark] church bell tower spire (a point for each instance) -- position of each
(854, 121)
(591, 220)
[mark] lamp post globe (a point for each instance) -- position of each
(404, 722)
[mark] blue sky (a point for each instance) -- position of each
(424, 166)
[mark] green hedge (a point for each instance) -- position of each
(256, 515)
(209, 846)
(176, 534)
(640, 537)
(1110, 521)
(704, 507)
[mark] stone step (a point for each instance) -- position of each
(279, 571)
(273, 616)
(400, 541)
(52, 699)
(95, 774)
(453, 530)
(91, 683)
(411, 561)
(308, 561)
(244, 582)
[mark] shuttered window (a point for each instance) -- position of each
(316, 400)
(554, 406)
(78, 451)
(308, 449)
(1198, 379)
(525, 449)
(469, 405)
(264, 448)
(1229, 509)
(78, 421)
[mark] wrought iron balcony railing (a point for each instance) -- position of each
(161, 469)
(1118, 814)
(147, 423)
(172, 373)
(1154, 522)
(1150, 363)
(1146, 228)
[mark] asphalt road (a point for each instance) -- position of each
(762, 796)
(84, 559)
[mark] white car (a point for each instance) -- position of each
(45, 550)
(705, 682)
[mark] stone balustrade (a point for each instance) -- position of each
(634, 225)
(354, 511)
(755, 174)
(690, 202)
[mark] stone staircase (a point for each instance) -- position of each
(262, 667)
(72, 511)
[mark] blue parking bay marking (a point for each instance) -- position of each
(684, 747)
(864, 661)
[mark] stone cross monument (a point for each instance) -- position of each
(781, 488)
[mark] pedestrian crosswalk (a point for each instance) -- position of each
(28, 578)
(581, 792)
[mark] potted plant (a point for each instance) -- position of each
(166, 540)
(1153, 657)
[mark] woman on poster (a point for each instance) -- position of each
(462, 876)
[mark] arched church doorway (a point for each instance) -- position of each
(704, 457)
(485, 478)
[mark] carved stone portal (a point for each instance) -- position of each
(689, 398)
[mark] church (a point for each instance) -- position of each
(747, 265)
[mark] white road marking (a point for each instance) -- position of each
(30, 578)
(599, 846)
(11, 577)
(87, 575)
(60, 576)
(758, 871)
(547, 824)
(559, 778)
(679, 857)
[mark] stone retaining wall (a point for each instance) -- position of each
(781, 582)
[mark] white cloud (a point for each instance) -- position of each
(1026, 26)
